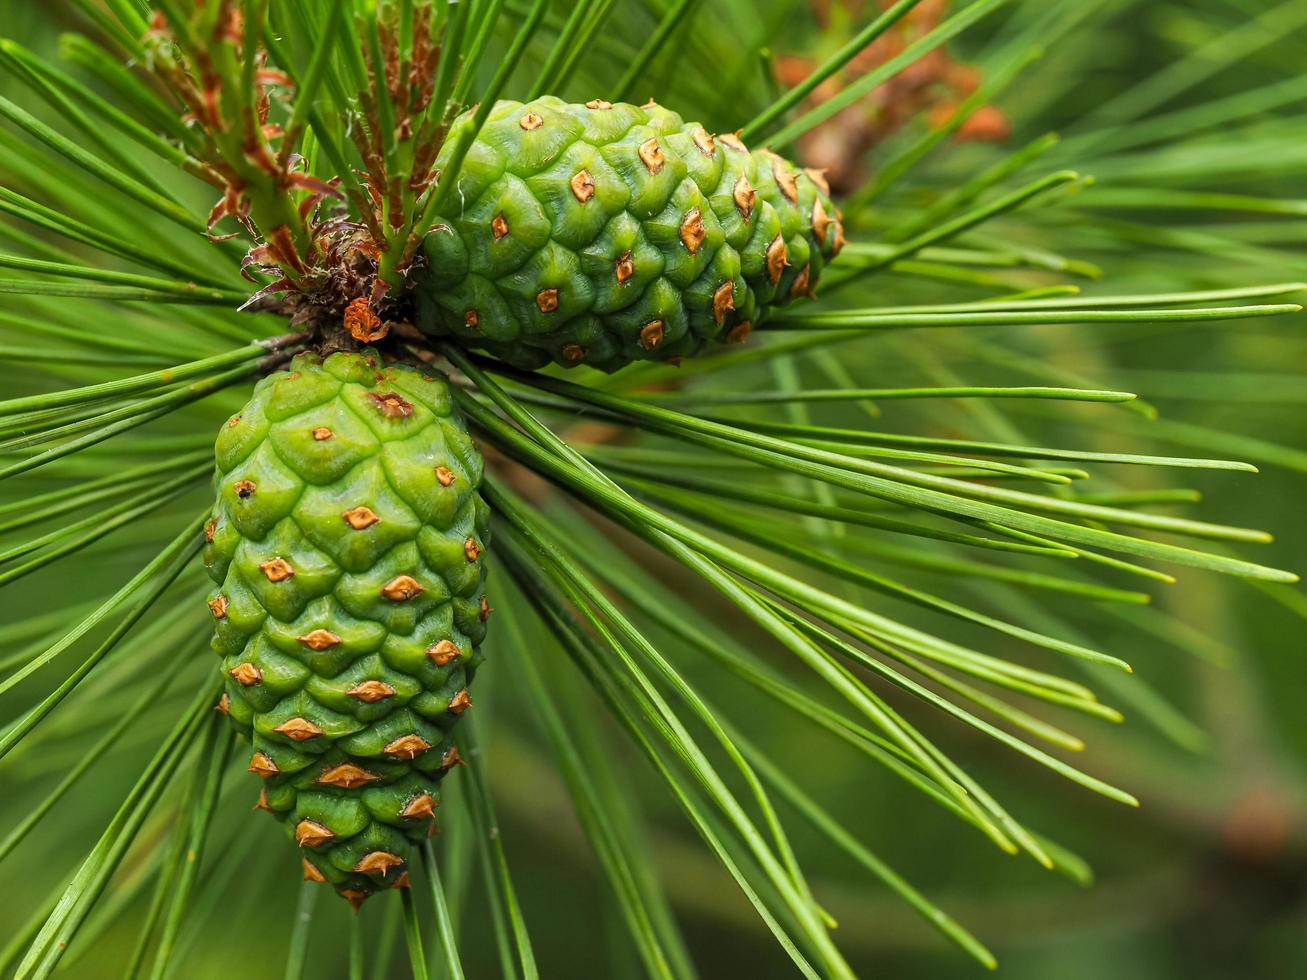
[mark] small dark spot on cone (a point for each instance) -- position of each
(244, 489)
(573, 353)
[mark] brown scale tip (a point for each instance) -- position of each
(360, 517)
(651, 334)
(531, 121)
(460, 702)
(246, 674)
(378, 863)
(802, 285)
(402, 881)
(692, 231)
(704, 141)
(583, 186)
(298, 729)
(420, 807)
(277, 569)
(785, 180)
(723, 301)
(651, 104)
(224, 704)
(401, 588)
(407, 747)
(442, 653)
(744, 196)
(499, 226)
(319, 639)
(262, 803)
(598, 104)
(840, 240)
(218, 606)
(547, 300)
(651, 155)
(311, 872)
(818, 177)
(371, 692)
(244, 489)
(820, 221)
(310, 833)
(262, 766)
(346, 776)
(471, 318)
(322, 434)
(210, 526)
(625, 267)
(486, 609)
(445, 476)
(777, 259)
(471, 550)
(733, 141)
(354, 896)
(573, 353)
(364, 325)
(391, 405)
(739, 333)
(234, 421)
(451, 758)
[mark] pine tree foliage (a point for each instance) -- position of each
(864, 515)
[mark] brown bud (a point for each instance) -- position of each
(723, 301)
(391, 405)
(739, 333)
(262, 802)
(322, 433)
(471, 318)
(651, 155)
(744, 196)
(818, 177)
(234, 421)
(704, 141)
(401, 588)
(598, 104)
(224, 704)
(402, 881)
(407, 747)
(218, 606)
(451, 758)
(298, 729)
(651, 334)
(210, 526)
(486, 610)
(573, 353)
(531, 121)
(692, 231)
(262, 766)
(246, 674)
(499, 226)
(802, 282)
(583, 186)
(360, 517)
(471, 550)
(346, 776)
(364, 325)
(244, 489)
(310, 833)
(625, 268)
(445, 476)
(371, 691)
(547, 300)
(319, 639)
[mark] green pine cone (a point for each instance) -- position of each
(347, 544)
(604, 234)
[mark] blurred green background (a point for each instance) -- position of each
(1208, 879)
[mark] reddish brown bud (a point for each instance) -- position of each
(499, 226)
(407, 747)
(218, 606)
(277, 569)
(460, 702)
(625, 268)
(401, 588)
(651, 334)
(364, 325)
(319, 639)
(371, 691)
(471, 318)
(311, 872)
(298, 729)
(651, 155)
(739, 333)
(573, 353)
(246, 674)
(583, 186)
(420, 807)
(310, 833)
(262, 766)
(244, 489)
(445, 476)
(378, 863)
(471, 550)
(723, 301)
(442, 653)
(346, 776)
(692, 231)
(547, 300)
(360, 517)
(391, 405)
